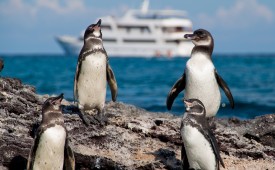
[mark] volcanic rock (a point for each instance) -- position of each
(133, 138)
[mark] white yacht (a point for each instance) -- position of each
(140, 33)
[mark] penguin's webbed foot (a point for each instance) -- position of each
(84, 118)
(101, 119)
(98, 119)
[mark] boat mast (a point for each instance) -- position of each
(145, 6)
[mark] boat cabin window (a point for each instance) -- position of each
(134, 29)
(145, 30)
(173, 41)
(158, 16)
(105, 27)
(175, 29)
(138, 41)
(109, 40)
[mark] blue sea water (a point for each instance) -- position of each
(145, 82)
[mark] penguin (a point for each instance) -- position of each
(200, 79)
(51, 149)
(92, 73)
(200, 149)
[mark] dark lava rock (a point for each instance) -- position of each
(133, 138)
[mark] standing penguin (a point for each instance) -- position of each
(200, 146)
(51, 149)
(200, 79)
(92, 73)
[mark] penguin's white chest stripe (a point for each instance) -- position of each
(201, 76)
(198, 149)
(201, 83)
(92, 80)
(50, 150)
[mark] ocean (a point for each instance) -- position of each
(145, 82)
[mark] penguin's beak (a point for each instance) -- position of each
(97, 25)
(190, 36)
(187, 104)
(58, 99)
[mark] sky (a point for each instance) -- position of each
(238, 26)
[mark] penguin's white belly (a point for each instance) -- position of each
(92, 82)
(198, 149)
(50, 151)
(201, 84)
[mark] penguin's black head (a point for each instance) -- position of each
(201, 37)
(93, 31)
(52, 104)
(194, 107)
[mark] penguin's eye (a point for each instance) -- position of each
(200, 34)
(91, 28)
(197, 109)
(54, 102)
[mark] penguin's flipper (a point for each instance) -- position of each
(175, 90)
(112, 82)
(30, 159)
(184, 159)
(225, 88)
(78, 67)
(69, 160)
(215, 147)
(33, 149)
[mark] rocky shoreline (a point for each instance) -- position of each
(133, 139)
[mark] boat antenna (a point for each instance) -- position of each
(145, 6)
